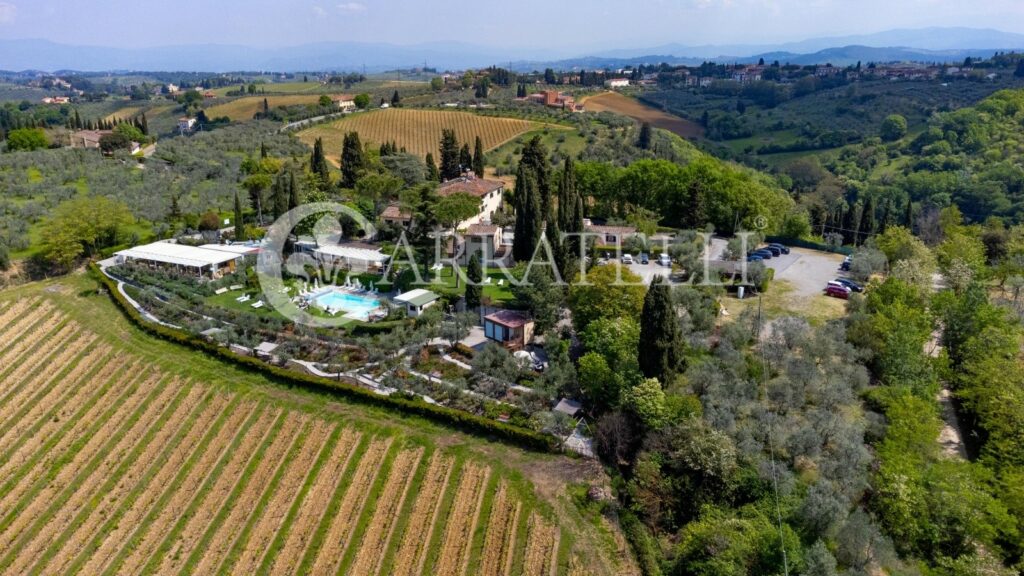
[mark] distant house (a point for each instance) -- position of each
(611, 234)
(396, 216)
(616, 83)
(186, 124)
(510, 328)
(209, 94)
(483, 239)
(416, 301)
(56, 100)
(488, 191)
(344, 102)
(554, 99)
(87, 138)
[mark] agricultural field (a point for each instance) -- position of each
(115, 459)
(626, 106)
(244, 108)
(419, 131)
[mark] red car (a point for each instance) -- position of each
(837, 290)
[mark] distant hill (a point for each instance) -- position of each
(927, 45)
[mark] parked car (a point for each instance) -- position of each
(782, 247)
(627, 258)
(754, 258)
(766, 254)
(837, 290)
(644, 259)
(850, 284)
(775, 250)
(664, 260)
(845, 266)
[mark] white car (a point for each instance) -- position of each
(627, 258)
(664, 260)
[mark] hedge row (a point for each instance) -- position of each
(347, 390)
(801, 243)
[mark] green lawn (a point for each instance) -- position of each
(492, 292)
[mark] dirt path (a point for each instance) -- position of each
(951, 438)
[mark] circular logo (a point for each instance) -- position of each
(314, 274)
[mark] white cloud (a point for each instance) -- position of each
(7, 12)
(352, 7)
(320, 12)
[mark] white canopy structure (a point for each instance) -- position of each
(357, 256)
(188, 259)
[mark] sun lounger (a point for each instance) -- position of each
(220, 291)
(501, 282)
(235, 287)
(258, 304)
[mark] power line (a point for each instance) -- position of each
(771, 443)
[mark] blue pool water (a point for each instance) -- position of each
(361, 305)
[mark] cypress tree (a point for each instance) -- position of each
(266, 107)
(281, 192)
(465, 158)
(644, 141)
(318, 164)
(570, 218)
(352, 160)
(263, 149)
(145, 124)
(396, 100)
(867, 219)
(449, 155)
(433, 174)
(78, 120)
(528, 221)
(293, 191)
(474, 288)
(478, 157)
(535, 159)
(660, 351)
(908, 215)
(239, 224)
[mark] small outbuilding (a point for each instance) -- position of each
(416, 301)
(510, 328)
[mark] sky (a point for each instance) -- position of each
(557, 25)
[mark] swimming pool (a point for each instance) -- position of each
(353, 304)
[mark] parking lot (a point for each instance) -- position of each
(806, 271)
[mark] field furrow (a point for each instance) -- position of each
(84, 490)
(26, 412)
(147, 503)
(59, 449)
(458, 536)
(227, 532)
(191, 532)
(24, 355)
(499, 539)
(25, 385)
(541, 546)
(117, 489)
(412, 551)
(315, 504)
(288, 488)
(157, 528)
(12, 324)
(378, 533)
(63, 476)
(340, 531)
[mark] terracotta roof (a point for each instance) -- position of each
(481, 229)
(509, 318)
(474, 186)
(395, 212)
